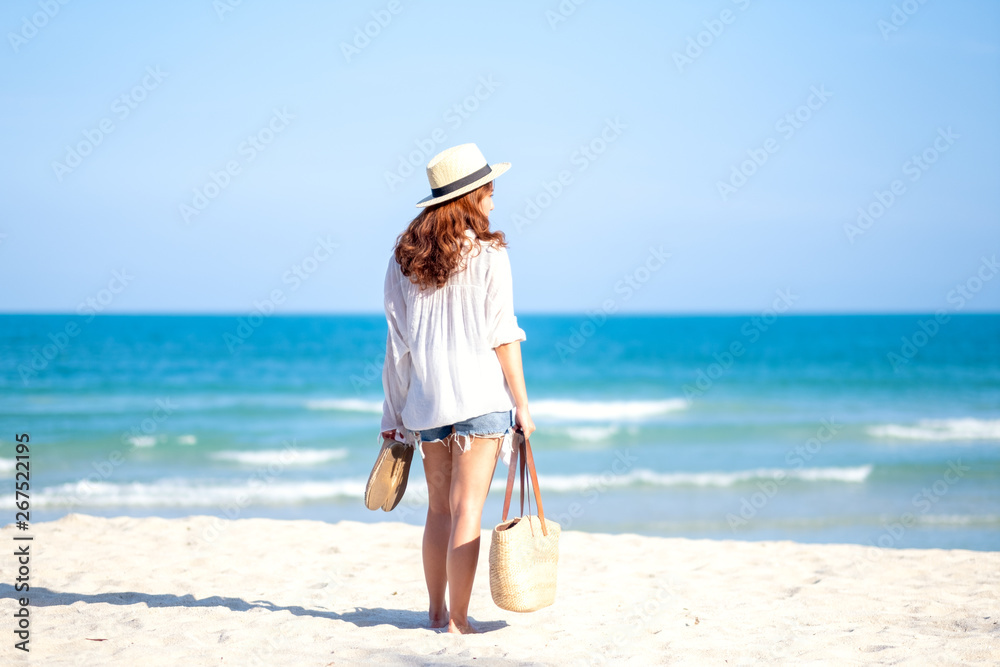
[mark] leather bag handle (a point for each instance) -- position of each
(522, 450)
(510, 481)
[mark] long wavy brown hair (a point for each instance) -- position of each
(429, 250)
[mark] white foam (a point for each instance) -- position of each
(272, 490)
(345, 405)
(848, 474)
(6, 465)
(189, 493)
(263, 457)
(560, 409)
(604, 410)
(958, 519)
(592, 433)
(143, 440)
(187, 440)
(940, 430)
(571, 483)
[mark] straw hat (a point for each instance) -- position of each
(457, 171)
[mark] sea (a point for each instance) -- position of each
(878, 430)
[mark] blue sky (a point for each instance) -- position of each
(738, 139)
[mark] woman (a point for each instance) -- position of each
(453, 381)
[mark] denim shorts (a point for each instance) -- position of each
(492, 424)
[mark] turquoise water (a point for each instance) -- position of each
(792, 427)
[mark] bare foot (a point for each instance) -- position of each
(462, 628)
(439, 620)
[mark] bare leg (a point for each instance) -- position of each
(437, 530)
(472, 472)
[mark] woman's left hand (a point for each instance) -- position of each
(389, 435)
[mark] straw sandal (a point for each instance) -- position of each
(389, 475)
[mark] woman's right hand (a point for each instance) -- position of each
(522, 418)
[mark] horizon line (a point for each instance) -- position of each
(372, 313)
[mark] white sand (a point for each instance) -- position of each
(267, 592)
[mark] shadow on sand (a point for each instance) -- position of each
(362, 617)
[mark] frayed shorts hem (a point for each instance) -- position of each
(463, 440)
(463, 433)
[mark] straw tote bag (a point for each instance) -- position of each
(524, 552)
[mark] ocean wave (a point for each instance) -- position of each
(940, 430)
(558, 409)
(189, 493)
(263, 457)
(958, 519)
(570, 483)
(345, 405)
(151, 440)
(590, 411)
(7, 465)
(591, 433)
(222, 494)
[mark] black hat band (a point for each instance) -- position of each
(461, 183)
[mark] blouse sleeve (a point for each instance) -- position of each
(500, 317)
(396, 368)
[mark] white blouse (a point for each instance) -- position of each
(440, 365)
